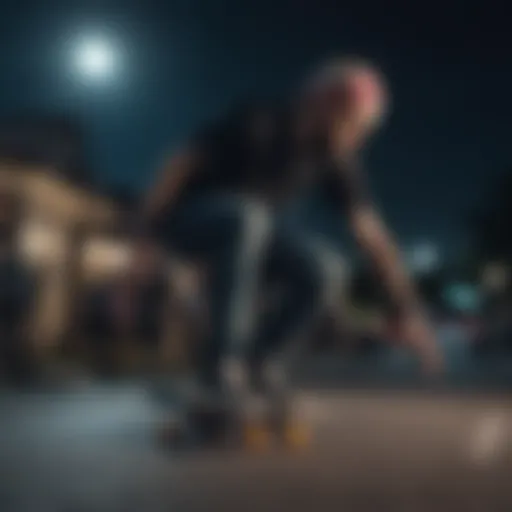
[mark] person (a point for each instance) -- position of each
(219, 199)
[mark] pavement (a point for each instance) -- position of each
(91, 448)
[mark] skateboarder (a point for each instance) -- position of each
(219, 198)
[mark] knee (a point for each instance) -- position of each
(253, 223)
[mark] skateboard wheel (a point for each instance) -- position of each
(296, 436)
(256, 438)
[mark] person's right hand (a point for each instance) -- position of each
(415, 330)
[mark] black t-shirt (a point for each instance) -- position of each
(253, 151)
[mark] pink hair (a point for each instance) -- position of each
(359, 78)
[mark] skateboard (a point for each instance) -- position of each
(258, 426)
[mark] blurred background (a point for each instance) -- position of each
(92, 97)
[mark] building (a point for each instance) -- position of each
(70, 235)
(69, 232)
(65, 234)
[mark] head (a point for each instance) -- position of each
(349, 93)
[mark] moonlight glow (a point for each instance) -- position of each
(95, 59)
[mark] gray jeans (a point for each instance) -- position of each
(245, 249)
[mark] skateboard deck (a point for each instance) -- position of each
(253, 427)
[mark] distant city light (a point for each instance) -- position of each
(496, 277)
(463, 297)
(424, 258)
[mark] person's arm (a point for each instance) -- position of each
(164, 193)
(367, 225)
(161, 198)
(378, 244)
(158, 202)
(376, 241)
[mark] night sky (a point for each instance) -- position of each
(449, 65)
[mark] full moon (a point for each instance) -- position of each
(95, 59)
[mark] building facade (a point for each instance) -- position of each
(63, 235)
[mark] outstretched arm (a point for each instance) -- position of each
(377, 243)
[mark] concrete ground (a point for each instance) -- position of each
(92, 449)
